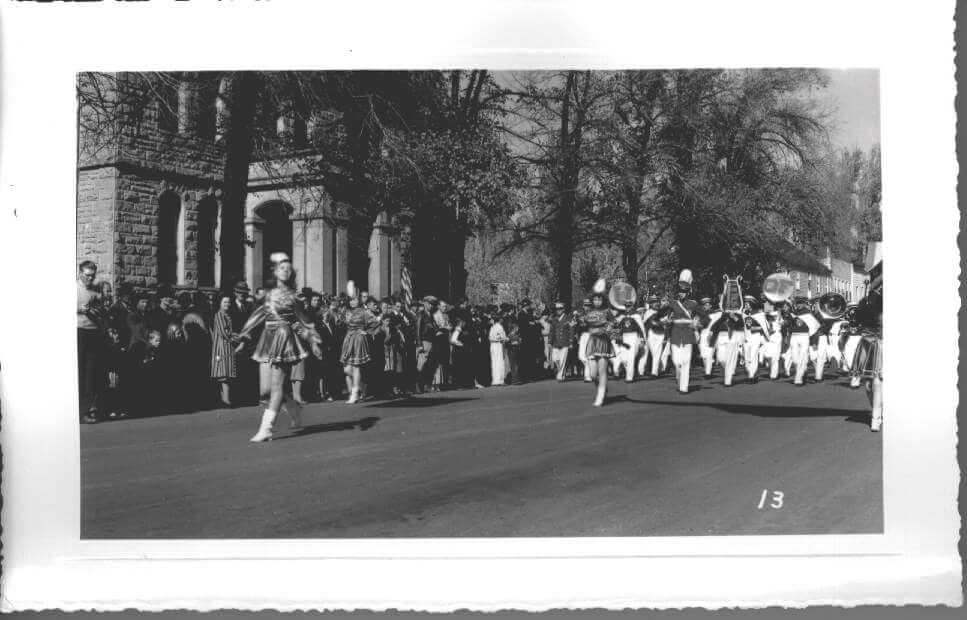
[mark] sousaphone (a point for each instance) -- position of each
(622, 296)
(832, 306)
(778, 288)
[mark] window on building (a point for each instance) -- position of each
(207, 241)
(169, 237)
(167, 101)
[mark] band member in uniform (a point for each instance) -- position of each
(756, 335)
(705, 348)
(849, 338)
(802, 324)
(729, 335)
(656, 324)
(600, 327)
(288, 329)
(641, 316)
(561, 332)
(868, 360)
(772, 349)
(583, 336)
(685, 318)
(630, 334)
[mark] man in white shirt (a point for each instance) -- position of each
(90, 342)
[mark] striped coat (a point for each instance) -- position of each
(223, 352)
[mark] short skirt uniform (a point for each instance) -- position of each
(357, 346)
(599, 337)
(279, 344)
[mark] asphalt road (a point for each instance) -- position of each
(530, 460)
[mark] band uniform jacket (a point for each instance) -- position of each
(683, 329)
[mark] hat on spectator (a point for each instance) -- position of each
(242, 287)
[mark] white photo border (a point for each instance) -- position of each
(45, 563)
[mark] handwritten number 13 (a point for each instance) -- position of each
(776, 499)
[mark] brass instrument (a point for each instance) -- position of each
(622, 296)
(778, 287)
(832, 306)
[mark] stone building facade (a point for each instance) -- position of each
(149, 209)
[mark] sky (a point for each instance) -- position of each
(855, 96)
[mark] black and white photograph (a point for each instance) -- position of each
(528, 306)
(475, 303)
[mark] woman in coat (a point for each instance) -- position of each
(223, 367)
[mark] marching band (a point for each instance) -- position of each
(775, 330)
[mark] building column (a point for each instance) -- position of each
(315, 247)
(395, 262)
(253, 253)
(342, 258)
(299, 251)
(381, 258)
(327, 246)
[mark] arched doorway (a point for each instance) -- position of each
(276, 234)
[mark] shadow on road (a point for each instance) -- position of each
(362, 424)
(420, 402)
(766, 411)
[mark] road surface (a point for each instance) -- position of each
(529, 460)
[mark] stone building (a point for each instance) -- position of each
(148, 201)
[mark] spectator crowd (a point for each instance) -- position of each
(148, 353)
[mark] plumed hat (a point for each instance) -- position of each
(685, 277)
(600, 287)
(279, 257)
(350, 288)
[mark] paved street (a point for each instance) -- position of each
(531, 460)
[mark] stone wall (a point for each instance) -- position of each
(96, 191)
(119, 190)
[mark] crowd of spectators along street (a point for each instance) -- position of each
(145, 353)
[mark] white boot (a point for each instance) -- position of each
(294, 409)
(600, 398)
(353, 396)
(265, 429)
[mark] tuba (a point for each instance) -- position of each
(778, 288)
(832, 306)
(731, 300)
(622, 296)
